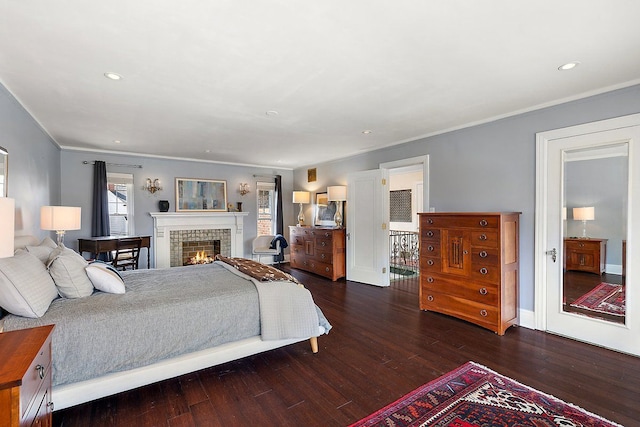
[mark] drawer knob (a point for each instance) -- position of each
(482, 237)
(429, 233)
(430, 298)
(483, 313)
(323, 256)
(430, 279)
(430, 221)
(326, 234)
(323, 244)
(483, 254)
(430, 248)
(40, 370)
(483, 223)
(430, 262)
(484, 270)
(483, 291)
(326, 269)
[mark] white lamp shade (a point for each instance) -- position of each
(60, 218)
(584, 214)
(7, 226)
(337, 193)
(301, 197)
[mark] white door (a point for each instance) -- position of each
(595, 144)
(367, 228)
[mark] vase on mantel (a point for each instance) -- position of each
(163, 205)
(239, 206)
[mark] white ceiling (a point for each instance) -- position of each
(200, 75)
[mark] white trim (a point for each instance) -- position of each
(412, 161)
(526, 319)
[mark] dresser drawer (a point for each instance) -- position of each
(430, 265)
(35, 376)
(484, 256)
(485, 272)
(324, 244)
(484, 238)
(430, 234)
(460, 307)
(326, 257)
(581, 245)
(430, 248)
(464, 221)
(480, 292)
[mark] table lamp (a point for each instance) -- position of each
(338, 194)
(584, 214)
(301, 197)
(60, 219)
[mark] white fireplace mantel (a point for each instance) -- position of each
(165, 222)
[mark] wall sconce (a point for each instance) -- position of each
(301, 197)
(60, 219)
(152, 186)
(244, 189)
(338, 194)
(584, 215)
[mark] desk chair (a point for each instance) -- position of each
(262, 246)
(127, 253)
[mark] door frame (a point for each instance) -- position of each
(541, 207)
(411, 161)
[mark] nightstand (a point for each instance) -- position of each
(587, 255)
(25, 377)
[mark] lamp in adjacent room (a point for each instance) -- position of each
(7, 226)
(338, 194)
(60, 219)
(301, 197)
(584, 214)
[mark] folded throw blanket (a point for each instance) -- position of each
(257, 270)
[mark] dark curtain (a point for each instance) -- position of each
(279, 216)
(100, 218)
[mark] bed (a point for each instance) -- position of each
(163, 323)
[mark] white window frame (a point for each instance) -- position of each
(124, 179)
(271, 187)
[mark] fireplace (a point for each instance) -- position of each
(199, 251)
(173, 229)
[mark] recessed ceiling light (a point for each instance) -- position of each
(113, 76)
(272, 113)
(568, 66)
(207, 151)
(117, 141)
(367, 131)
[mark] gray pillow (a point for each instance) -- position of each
(26, 289)
(43, 250)
(67, 268)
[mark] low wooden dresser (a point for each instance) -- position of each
(585, 255)
(25, 377)
(469, 266)
(318, 250)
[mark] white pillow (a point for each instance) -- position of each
(66, 267)
(43, 250)
(105, 278)
(26, 289)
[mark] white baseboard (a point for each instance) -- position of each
(613, 269)
(527, 319)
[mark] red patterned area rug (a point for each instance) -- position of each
(604, 298)
(475, 396)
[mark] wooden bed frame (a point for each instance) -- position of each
(68, 395)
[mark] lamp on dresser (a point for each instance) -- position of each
(60, 219)
(584, 214)
(338, 194)
(7, 226)
(301, 197)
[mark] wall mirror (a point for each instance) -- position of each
(4, 164)
(595, 205)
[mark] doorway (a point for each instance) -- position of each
(588, 191)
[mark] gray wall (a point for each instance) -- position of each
(77, 182)
(489, 167)
(34, 165)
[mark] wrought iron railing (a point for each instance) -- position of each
(405, 251)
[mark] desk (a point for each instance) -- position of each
(97, 245)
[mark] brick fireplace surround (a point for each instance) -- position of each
(166, 224)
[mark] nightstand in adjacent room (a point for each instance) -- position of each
(585, 254)
(25, 377)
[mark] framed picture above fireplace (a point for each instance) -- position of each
(194, 194)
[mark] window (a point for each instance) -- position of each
(266, 207)
(120, 186)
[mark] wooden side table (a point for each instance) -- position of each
(25, 377)
(585, 255)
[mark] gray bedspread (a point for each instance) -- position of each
(164, 313)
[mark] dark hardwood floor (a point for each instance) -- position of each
(577, 283)
(381, 347)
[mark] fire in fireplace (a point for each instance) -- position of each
(200, 258)
(200, 252)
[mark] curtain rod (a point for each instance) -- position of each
(123, 165)
(264, 176)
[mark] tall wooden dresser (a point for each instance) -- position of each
(469, 266)
(25, 377)
(318, 250)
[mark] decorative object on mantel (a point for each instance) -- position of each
(152, 185)
(301, 197)
(244, 189)
(338, 194)
(194, 194)
(239, 206)
(472, 394)
(60, 219)
(7, 226)
(584, 214)
(163, 205)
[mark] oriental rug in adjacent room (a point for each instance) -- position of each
(604, 298)
(473, 396)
